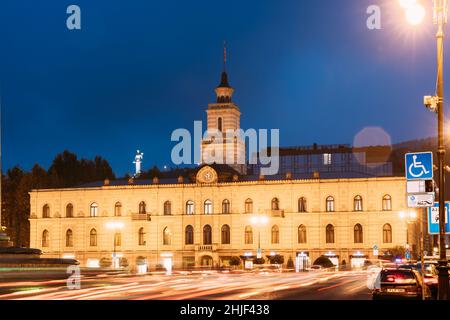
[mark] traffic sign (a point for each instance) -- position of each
(375, 250)
(421, 200)
(408, 254)
(419, 166)
(433, 218)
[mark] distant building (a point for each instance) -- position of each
(332, 161)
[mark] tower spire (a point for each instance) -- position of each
(224, 56)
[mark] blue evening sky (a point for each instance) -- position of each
(137, 70)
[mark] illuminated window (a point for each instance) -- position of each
(275, 234)
(387, 233)
(69, 238)
(190, 207)
(330, 234)
(141, 237)
(225, 234)
(207, 234)
(93, 210)
(69, 211)
(358, 233)
(357, 203)
(118, 239)
(142, 208)
(327, 159)
(46, 211)
(189, 235)
(387, 203)
(248, 206)
(330, 204)
(45, 238)
(118, 209)
(208, 207)
(167, 208)
(302, 204)
(167, 236)
(275, 204)
(225, 206)
(248, 235)
(93, 238)
(301, 234)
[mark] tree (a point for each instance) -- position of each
(259, 261)
(105, 262)
(290, 263)
(235, 261)
(276, 259)
(123, 262)
(324, 262)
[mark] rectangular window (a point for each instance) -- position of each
(327, 159)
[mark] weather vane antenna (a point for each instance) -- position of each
(224, 56)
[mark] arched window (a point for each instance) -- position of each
(302, 204)
(117, 209)
(190, 207)
(301, 234)
(330, 204)
(45, 238)
(208, 207)
(275, 204)
(93, 238)
(387, 233)
(142, 207)
(93, 210)
(358, 233)
(69, 238)
(248, 235)
(219, 124)
(357, 203)
(387, 203)
(225, 234)
(225, 206)
(207, 234)
(141, 237)
(275, 234)
(248, 206)
(167, 236)
(330, 234)
(189, 235)
(46, 211)
(118, 239)
(69, 211)
(167, 208)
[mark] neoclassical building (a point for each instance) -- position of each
(206, 222)
(221, 212)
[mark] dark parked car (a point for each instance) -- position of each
(400, 284)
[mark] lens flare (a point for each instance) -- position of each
(407, 3)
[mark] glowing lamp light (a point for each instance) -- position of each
(415, 14)
(407, 3)
(114, 225)
(401, 214)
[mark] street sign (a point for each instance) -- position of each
(419, 166)
(258, 253)
(420, 200)
(433, 218)
(375, 250)
(408, 254)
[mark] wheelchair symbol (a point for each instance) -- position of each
(417, 165)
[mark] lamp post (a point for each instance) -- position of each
(114, 225)
(415, 13)
(259, 221)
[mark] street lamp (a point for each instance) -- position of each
(436, 104)
(259, 221)
(114, 225)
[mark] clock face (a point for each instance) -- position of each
(207, 175)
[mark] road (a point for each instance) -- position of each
(317, 285)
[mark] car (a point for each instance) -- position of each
(430, 277)
(399, 283)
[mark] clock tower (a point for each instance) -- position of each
(223, 118)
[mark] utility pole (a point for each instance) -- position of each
(440, 18)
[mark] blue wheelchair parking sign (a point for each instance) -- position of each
(419, 166)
